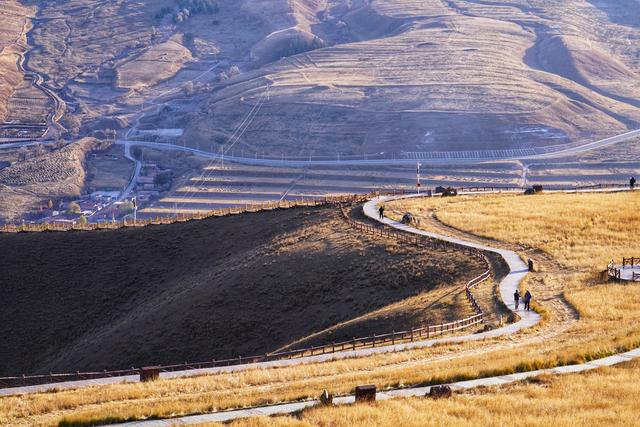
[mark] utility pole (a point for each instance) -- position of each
(135, 209)
(418, 178)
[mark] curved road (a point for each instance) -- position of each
(438, 158)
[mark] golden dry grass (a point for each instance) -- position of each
(583, 231)
(607, 324)
(607, 396)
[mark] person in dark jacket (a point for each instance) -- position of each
(516, 298)
(381, 212)
(527, 300)
(632, 182)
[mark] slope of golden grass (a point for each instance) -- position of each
(582, 231)
(606, 396)
(607, 323)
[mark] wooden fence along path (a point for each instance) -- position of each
(267, 206)
(376, 340)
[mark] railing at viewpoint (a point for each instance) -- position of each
(615, 271)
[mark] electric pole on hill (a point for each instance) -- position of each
(418, 178)
(135, 209)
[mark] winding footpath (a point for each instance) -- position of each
(518, 270)
(508, 285)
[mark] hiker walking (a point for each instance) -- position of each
(632, 182)
(381, 212)
(527, 300)
(516, 298)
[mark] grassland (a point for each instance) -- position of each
(607, 396)
(581, 231)
(219, 288)
(423, 76)
(156, 64)
(108, 169)
(586, 319)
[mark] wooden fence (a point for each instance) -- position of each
(267, 206)
(376, 340)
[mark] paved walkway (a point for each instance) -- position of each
(507, 288)
(289, 408)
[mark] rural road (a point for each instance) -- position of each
(453, 157)
(134, 176)
(518, 271)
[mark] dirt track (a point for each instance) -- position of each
(211, 289)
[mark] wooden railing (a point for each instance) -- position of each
(615, 271)
(376, 340)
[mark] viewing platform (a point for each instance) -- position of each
(628, 271)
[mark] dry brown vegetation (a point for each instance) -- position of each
(159, 63)
(605, 322)
(108, 169)
(583, 231)
(607, 396)
(428, 76)
(214, 289)
(39, 173)
(396, 75)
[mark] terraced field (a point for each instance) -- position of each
(37, 175)
(211, 184)
(14, 18)
(352, 77)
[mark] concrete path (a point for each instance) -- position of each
(289, 408)
(434, 158)
(517, 268)
(134, 176)
(627, 272)
(507, 287)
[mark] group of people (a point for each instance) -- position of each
(526, 298)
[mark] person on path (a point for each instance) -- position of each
(632, 182)
(527, 300)
(516, 298)
(381, 211)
